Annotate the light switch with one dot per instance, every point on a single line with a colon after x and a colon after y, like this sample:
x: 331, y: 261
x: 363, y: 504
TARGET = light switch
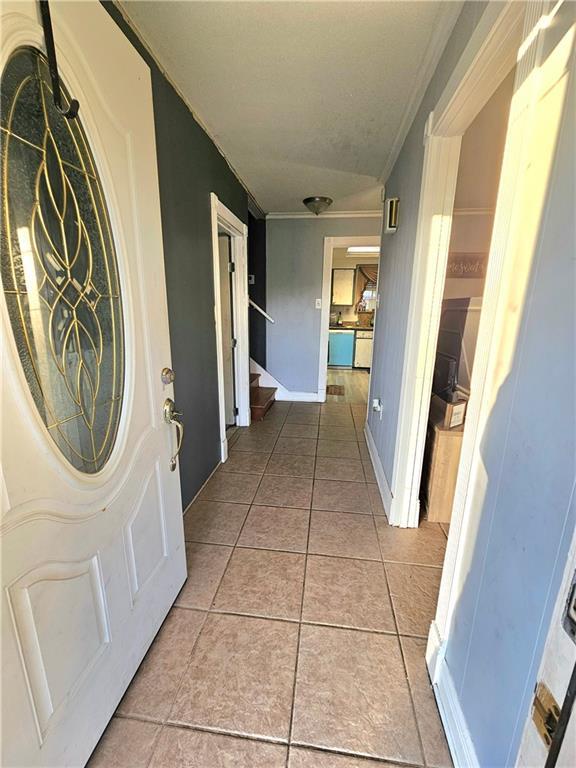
x: 318, y: 303
x: 251, y: 279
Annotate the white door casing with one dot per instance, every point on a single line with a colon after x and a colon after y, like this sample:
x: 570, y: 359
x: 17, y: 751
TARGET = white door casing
x: 226, y: 299
x: 90, y: 563
x: 225, y: 222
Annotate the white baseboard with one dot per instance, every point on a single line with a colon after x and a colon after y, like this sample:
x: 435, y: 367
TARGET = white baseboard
x: 457, y: 733
x: 267, y: 380
x: 381, y: 479
x: 434, y: 651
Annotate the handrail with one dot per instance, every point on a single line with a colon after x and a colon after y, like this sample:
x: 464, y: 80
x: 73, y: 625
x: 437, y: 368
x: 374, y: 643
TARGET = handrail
x: 259, y: 309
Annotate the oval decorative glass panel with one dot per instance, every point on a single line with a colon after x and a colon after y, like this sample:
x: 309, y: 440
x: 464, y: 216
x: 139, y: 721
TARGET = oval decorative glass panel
x: 58, y: 266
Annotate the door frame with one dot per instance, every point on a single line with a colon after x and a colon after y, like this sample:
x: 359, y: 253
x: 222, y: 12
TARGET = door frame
x: 486, y: 61
x: 329, y: 244
x: 224, y: 220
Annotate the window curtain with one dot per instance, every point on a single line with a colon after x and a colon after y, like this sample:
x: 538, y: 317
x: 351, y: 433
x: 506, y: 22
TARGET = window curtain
x: 365, y: 273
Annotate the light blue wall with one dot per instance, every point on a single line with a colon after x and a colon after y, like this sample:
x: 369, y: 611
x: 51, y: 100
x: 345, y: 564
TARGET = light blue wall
x: 527, y: 517
x: 295, y: 253
x: 526, y: 512
x: 398, y: 251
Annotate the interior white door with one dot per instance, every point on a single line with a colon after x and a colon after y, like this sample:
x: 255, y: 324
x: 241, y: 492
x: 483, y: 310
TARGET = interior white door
x: 91, y: 527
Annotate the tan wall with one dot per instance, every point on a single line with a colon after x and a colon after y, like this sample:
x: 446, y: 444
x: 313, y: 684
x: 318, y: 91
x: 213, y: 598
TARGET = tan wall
x: 477, y: 186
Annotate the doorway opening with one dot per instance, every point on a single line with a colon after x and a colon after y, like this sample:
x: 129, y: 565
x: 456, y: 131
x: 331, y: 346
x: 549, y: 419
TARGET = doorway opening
x: 349, y: 300
x: 229, y: 253
x: 227, y: 326
x: 478, y: 177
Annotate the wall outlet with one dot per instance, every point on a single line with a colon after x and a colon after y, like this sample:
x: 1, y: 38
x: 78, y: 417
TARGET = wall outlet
x: 251, y: 279
x: 377, y: 406
x: 318, y: 303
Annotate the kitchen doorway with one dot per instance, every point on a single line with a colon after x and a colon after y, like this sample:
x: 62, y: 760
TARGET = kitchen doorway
x: 349, y: 299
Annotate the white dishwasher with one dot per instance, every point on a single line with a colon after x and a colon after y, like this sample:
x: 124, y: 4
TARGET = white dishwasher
x: 363, y: 349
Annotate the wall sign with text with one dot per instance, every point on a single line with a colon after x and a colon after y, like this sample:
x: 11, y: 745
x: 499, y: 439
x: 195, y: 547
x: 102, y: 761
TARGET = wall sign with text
x: 472, y: 265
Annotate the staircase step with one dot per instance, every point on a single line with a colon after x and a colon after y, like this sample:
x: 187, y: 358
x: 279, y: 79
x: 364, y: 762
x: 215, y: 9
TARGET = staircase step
x: 254, y: 379
x: 261, y: 399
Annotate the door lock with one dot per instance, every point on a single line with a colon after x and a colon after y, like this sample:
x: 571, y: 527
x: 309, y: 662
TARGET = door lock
x: 172, y: 416
x: 545, y: 713
x: 167, y: 376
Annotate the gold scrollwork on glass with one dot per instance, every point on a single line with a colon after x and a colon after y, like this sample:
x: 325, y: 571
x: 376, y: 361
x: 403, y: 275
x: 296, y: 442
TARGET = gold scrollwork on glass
x: 58, y: 266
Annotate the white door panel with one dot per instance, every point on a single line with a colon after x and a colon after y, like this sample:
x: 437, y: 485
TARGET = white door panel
x: 90, y: 562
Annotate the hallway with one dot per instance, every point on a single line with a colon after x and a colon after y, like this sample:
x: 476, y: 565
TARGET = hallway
x: 356, y: 383
x: 303, y: 619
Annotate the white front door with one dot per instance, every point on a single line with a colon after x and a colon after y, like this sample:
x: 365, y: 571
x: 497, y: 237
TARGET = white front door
x: 91, y: 528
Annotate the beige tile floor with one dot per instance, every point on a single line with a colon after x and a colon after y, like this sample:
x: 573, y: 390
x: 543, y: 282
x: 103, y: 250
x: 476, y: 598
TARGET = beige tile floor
x: 298, y: 639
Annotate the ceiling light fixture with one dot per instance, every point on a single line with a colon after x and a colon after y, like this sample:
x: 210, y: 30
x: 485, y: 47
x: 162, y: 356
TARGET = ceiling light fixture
x: 364, y: 249
x: 317, y: 204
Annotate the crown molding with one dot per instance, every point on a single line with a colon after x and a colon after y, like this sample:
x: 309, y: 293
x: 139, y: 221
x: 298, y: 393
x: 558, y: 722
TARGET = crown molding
x: 254, y: 209
x: 327, y: 215
x: 429, y: 63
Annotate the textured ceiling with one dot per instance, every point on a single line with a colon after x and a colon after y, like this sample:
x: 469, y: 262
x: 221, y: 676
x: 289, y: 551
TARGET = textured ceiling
x: 303, y: 98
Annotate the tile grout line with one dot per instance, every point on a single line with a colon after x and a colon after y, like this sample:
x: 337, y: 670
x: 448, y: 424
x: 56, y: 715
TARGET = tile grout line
x: 250, y: 505
x: 293, y: 703
x: 263, y: 740
x: 304, y: 622
x: 300, y: 621
x: 208, y: 612
x: 402, y: 655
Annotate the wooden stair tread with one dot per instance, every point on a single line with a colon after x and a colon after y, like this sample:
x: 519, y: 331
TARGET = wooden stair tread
x: 261, y: 396
x: 254, y: 377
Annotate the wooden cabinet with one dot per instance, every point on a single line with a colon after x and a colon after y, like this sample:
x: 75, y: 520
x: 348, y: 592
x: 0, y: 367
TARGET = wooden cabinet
x: 343, y: 281
x: 440, y: 469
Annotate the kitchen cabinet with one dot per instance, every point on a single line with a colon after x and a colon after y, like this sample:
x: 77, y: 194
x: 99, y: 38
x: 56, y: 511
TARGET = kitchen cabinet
x: 343, y: 281
x: 341, y: 348
x: 363, y: 349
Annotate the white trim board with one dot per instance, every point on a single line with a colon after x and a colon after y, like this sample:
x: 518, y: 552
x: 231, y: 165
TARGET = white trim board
x: 267, y: 380
x: 383, y: 484
x: 329, y: 244
x: 222, y: 218
x: 326, y: 215
x: 455, y: 726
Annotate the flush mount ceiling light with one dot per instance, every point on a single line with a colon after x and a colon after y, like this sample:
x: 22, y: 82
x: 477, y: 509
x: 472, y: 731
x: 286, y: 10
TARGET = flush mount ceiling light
x: 363, y: 249
x: 317, y: 204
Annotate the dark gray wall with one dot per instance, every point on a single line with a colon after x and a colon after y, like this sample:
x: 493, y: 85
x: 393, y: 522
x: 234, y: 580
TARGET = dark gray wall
x: 257, y: 291
x: 190, y: 167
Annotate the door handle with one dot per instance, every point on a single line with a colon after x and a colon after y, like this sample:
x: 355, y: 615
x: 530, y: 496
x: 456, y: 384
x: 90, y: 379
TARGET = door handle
x: 171, y: 416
